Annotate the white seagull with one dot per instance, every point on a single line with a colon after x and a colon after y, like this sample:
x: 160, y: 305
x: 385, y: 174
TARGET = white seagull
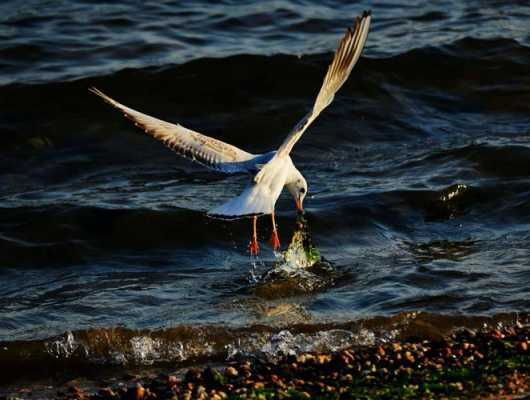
x: 270, y: 171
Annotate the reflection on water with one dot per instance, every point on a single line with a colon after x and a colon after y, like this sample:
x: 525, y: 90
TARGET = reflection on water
x: 444, y: 249
x: 452, y: 202
x: 279, y: 312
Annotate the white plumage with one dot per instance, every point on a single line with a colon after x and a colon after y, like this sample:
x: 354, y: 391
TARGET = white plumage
x: 255, y: 200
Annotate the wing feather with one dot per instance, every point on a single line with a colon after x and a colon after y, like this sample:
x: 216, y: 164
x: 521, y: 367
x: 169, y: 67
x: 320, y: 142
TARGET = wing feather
x: 203, y: 149
x: 346, y: 56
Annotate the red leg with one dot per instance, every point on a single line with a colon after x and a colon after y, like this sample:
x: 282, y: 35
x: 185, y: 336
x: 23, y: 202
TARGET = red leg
x: 254, y: 246
x: 275, y: 240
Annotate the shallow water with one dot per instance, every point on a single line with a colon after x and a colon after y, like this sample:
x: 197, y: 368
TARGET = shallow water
x: 418, y: 174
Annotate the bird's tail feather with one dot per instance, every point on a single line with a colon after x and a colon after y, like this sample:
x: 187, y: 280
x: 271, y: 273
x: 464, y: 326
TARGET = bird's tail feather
x: 255, y: 200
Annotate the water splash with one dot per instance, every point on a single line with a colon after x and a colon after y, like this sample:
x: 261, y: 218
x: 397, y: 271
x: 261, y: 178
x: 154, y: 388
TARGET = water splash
x: 301, y: 253
x: 300, y: 269
x: 273, y: 346
x: 62, y: 347
x: 284, y: 343
x: 144, y: 349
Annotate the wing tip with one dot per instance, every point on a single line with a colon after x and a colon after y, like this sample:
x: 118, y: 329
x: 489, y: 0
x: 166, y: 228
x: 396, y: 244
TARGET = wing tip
x: 93, y: 89
x: 97, y: 92
x: 367, y: 13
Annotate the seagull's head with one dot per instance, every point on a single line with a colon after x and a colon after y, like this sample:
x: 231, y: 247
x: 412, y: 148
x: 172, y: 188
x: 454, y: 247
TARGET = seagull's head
x: 298, y: 189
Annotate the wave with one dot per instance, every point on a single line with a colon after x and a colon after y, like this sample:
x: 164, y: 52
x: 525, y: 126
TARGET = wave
x: 72, y: 234
x: 185, y: 345
x: 61, y: 232
x: 470, y: 76
x: 128, y: 34
x: 66, y: 234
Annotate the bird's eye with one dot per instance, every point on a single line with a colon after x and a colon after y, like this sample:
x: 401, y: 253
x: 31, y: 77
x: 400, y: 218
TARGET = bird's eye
x: 302, y: 190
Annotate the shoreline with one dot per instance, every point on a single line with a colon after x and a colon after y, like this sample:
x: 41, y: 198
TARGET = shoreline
x: 483, y: 364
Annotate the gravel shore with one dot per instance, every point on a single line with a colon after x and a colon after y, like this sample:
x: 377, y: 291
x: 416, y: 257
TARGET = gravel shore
x: 493, y: 364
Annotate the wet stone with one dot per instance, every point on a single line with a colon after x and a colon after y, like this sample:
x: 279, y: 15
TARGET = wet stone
x: 193, y: 375
x: 107, y: 393
x: 136, y: 392
x: 231, y: 372
x: 213, y: 378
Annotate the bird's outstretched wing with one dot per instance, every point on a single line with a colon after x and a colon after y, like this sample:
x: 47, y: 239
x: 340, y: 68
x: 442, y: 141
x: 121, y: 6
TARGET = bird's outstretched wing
x: 203, y: 149
x: 350, y: 48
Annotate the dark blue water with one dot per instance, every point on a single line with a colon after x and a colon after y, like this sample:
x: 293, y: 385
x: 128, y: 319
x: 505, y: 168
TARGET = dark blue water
x: 419, y: 175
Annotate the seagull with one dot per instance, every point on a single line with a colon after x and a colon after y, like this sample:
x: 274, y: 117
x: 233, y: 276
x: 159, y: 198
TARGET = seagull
x: 271, y: 171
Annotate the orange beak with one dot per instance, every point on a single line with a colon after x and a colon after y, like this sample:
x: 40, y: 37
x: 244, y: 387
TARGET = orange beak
x: 299, y: 205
